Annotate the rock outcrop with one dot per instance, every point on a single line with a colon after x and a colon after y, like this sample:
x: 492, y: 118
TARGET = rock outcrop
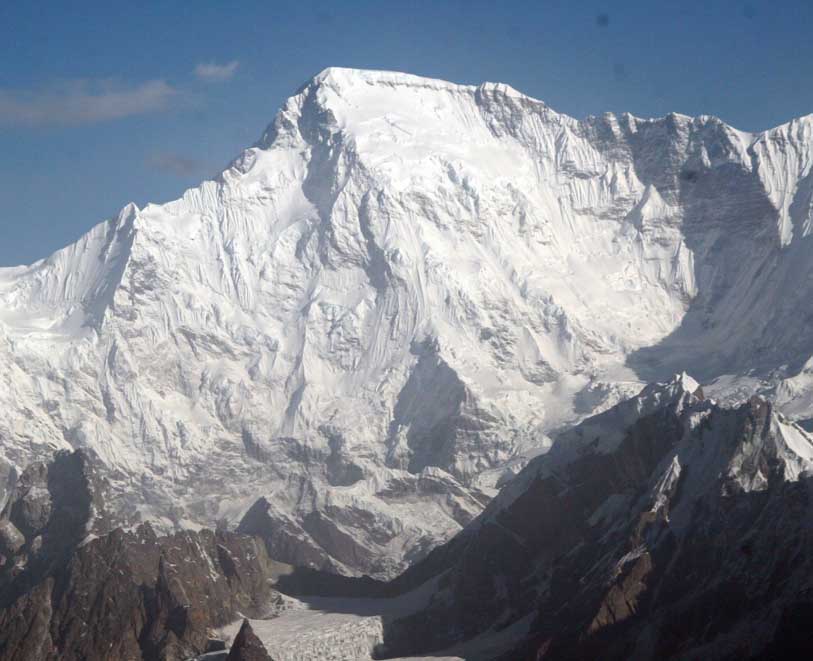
x: 71, y: 590
x: 247, y: 647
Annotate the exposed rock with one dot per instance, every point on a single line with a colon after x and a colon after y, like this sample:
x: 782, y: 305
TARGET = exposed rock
x: 215, y: 645
x: 51, y: 509
x: 121, y: 595
x: 681, y: 533
x: 247, y: 647
x: 11, y: 539
x: 133, y: 595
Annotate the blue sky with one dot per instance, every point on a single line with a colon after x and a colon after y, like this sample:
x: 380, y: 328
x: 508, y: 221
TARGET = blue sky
x: 106, y: 102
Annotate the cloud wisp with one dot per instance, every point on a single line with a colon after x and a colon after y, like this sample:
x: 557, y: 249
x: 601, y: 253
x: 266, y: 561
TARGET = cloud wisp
x: 84, y: 102
x: 175, y: 164
x: 211, y: 72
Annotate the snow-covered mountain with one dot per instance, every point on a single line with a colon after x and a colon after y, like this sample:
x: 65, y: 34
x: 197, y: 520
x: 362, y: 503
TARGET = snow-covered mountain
x: 378, y: 312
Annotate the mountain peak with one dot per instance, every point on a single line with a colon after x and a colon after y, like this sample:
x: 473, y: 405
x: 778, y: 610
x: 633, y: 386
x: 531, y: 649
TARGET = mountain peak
x: 555, y: 265
x: 343, y: 77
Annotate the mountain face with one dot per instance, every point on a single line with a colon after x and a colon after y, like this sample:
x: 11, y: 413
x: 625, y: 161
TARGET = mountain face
x: 378, y: 313
x: 668, y: 527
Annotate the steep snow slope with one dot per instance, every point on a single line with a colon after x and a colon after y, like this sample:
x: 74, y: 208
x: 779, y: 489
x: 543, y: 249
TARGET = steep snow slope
x: 382, y: 308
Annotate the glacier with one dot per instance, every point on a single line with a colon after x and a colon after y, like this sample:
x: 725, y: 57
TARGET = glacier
x: 382, y: 310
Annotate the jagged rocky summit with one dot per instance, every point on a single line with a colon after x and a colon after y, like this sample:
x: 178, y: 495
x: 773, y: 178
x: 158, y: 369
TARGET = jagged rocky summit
x: 383, y: 309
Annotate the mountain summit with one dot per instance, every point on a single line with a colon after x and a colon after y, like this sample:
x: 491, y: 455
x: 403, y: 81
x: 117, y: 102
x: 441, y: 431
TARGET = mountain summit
x: 378, y: 312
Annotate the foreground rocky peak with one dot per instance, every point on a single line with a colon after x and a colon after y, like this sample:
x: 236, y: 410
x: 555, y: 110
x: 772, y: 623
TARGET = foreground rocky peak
x: 247, y: 647
x: 380, y: 311
x: 685, y: 537
x: 74, y: 587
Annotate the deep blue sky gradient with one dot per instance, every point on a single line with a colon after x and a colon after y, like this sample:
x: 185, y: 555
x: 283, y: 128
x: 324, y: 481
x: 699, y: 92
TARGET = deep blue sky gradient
x: 746, y: 61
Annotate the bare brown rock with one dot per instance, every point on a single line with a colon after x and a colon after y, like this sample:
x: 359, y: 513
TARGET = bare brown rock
x: 123, y: 595
x: 247, y: 647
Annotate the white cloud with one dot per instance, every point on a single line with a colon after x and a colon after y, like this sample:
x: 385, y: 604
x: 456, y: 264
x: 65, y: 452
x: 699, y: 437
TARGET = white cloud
x: 216, y: 73
x: 84, y: 102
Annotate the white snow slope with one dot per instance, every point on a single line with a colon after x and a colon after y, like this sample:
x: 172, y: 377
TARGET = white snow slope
x: 383, y: 307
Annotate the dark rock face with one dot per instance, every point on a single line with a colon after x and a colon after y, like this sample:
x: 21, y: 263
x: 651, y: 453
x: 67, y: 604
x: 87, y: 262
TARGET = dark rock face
x: 689, y: 538
x: 122, y: 595
x: 492, y: 578
x: 247, y: 647
x: 284, y: 539
x: 50, y: 510
x: 138, y: 596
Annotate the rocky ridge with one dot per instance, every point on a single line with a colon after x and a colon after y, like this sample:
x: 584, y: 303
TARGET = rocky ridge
x: 72, y: 588
x: 684, y: 532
